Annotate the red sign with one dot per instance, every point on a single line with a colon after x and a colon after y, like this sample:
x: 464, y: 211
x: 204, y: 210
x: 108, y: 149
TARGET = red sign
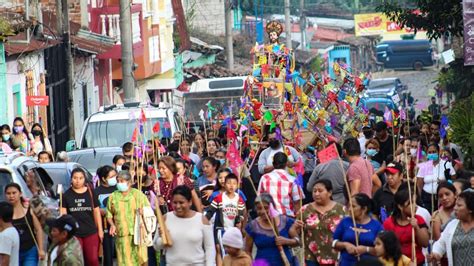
x: 37, y: 100
x: 328, y: 154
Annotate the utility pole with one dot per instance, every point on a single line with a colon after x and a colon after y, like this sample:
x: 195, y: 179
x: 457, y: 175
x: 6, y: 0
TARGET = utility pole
x: 128, y: 81
x: 62, y: 14
x: 228, y: 35
x: 302, y: 25
x: 287, y: 24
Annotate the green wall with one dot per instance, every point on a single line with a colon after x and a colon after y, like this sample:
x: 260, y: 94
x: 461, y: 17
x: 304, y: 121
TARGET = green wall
x: 3, y: 86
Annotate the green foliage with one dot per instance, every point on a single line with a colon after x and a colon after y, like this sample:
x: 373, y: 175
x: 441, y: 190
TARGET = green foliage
x: 317, y: 65
x: 437, y: 17
x: 461, y: 123
x: 5, y: 29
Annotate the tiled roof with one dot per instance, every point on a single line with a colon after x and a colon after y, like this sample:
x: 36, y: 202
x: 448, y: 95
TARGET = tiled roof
x: 325, y: 34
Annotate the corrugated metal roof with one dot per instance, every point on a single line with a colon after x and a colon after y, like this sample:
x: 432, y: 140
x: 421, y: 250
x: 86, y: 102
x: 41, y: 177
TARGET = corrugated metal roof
x: 92, y: 42
x: 13, y: 48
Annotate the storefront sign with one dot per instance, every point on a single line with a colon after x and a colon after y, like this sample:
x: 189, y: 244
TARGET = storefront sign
x: 377, y: 24
x: 37, y: 100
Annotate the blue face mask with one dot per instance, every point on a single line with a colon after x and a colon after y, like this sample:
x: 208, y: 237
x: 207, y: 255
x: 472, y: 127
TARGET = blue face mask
x: 432, y: 156
x: 112, y: 181
x: 6, y: 137
x: 371, y: 152
x: 122, y: 187
x: 222, y: 161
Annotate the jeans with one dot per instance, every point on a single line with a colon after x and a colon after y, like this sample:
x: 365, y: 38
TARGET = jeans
x: 152, y: 257
x: 108, y: 246
x: 29, y: 257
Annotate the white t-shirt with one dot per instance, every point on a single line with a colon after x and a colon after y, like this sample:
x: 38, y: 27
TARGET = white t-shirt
x: 431, y: 181
x: 10, y: 245
x: 425, y: 214
x: 230, y: 209
x: 273, y: 152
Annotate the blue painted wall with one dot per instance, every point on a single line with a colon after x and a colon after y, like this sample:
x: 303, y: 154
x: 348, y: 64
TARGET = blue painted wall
x: 341, y: 52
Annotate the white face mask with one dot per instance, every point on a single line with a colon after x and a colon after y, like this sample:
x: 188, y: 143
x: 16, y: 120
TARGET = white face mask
x: 413, y: 152
x: 118, y: 168
x: 122, y: 187
x: 112, y: 181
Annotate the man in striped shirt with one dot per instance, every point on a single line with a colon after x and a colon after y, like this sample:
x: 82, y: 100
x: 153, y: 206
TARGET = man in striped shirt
x: 282, y: 187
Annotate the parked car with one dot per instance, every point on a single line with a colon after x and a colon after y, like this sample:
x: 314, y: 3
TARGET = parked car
x: 60, y: 173
x: 376, y: 107
x: 13, y: 168
x: 414, y: 54
x: 384, y: 88
x: 93, y: 158
x: 114, y: 125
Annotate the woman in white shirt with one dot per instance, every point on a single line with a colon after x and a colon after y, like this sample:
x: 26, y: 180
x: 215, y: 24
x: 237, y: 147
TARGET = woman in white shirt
x: 457, y: 239
x: 39, y: 142
x: 428, y: 179
x: 190, y: 232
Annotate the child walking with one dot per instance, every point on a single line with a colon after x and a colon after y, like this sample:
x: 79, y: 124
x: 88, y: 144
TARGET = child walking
x: 229, y: 208
x: 389, y: 250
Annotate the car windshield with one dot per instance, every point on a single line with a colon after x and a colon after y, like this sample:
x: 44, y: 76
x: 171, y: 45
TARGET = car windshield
x: 5, y: 179
x: 114, y: 133
x: 379, y: 84
x: 379, y: 106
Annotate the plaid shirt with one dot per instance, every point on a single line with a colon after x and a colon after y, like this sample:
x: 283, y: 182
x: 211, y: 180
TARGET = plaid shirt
x: 282, y: 187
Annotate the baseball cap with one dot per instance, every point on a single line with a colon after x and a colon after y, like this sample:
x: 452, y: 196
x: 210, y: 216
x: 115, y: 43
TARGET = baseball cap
x: 65, y: 222
x: 394, y: 168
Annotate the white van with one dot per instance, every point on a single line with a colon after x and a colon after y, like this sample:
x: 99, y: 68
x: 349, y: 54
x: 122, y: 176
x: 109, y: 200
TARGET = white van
x: 225, y: 94
x: 113, y: 125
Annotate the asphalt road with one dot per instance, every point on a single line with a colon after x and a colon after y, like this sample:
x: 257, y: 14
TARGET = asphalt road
x: 420, y: 83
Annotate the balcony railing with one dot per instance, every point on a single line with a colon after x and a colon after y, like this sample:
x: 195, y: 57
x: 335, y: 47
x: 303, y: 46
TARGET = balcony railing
x: 107, y: 20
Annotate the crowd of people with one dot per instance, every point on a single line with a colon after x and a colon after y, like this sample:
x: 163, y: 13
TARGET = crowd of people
x: 390, y: 198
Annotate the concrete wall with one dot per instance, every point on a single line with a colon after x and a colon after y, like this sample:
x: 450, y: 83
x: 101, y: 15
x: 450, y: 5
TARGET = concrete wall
x: 16, y: 84
x: 86, y: 93
x: 208, y: 15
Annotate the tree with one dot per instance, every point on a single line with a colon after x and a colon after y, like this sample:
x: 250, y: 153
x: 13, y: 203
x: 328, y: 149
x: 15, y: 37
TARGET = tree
x: 437, y: 17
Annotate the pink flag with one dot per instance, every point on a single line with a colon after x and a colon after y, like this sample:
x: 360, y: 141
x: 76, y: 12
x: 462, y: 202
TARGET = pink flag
x: 273, y: 212
x: 299, y: 166
x: 403, y: 115
x: 233, y: 156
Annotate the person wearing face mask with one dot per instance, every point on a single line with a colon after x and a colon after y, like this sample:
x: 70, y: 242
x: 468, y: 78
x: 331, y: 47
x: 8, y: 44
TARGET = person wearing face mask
x: 429, y: 176
x: 385, y: 141
x: 5, y: 140
x: 39, y: 142
x: 378, y: 178
x: 80, y: 202
x: 367, y: 134
x: 122, y: 207
x: 265, y: 161
x: 20, y: 139
x: 118, y: 161
x: 108, y: 184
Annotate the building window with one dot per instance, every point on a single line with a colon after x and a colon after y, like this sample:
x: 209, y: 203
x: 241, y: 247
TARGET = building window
x: 154, y: 47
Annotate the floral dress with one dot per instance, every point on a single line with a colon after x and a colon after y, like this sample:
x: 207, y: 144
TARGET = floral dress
x: 318, y: 232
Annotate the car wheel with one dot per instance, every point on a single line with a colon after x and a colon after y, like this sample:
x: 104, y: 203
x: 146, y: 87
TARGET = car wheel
x: 418, y: 66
